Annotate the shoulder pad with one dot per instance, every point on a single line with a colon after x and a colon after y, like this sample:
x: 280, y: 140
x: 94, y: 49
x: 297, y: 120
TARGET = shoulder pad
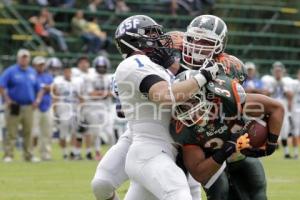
x: 231, y: 93
x: 220, y: 87
x: 234, y: 67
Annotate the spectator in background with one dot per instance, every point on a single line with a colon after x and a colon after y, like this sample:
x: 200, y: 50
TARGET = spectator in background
x: 121, y: 6
x: 21, y: 90
x: 93, y: 6
x: 252, y: 83
x: 174, y: 7
x: 193, y: 7
x: 42, y: 122
x: 44, y: 27
x: 62, y: 3
x: 79, y: 25
x: 118, y: 5
x: 42, y: 2
x: 94, y: 29
x: 54, y: 3
x: 7, y: 2
x: 69, y: 3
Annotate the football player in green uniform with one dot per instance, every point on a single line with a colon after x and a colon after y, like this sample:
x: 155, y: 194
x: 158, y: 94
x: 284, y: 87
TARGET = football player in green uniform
x: 212, y: 142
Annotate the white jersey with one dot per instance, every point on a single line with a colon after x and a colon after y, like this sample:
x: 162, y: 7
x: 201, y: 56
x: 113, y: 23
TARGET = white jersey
x: 268, y: 82
x: 296, y: 97
x: 100, y: 82
x: 147, y: 120
x: 86, y: 79
x: 78, y: 73
x: 68, y: 91
x: 75, y: 72
x: 278, y: 89
x: 67, y: 94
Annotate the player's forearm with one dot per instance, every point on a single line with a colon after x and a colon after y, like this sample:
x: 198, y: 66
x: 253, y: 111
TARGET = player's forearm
x: 276, y: 118
x: 40, y: 96
x: 200, y: 167
x: 162, y: 92
x: 254, y: 90
x: 3, y: 92
x: 260, y: 105
x: 184, y: 90
x: 47, y: 88
x: 204, y: 170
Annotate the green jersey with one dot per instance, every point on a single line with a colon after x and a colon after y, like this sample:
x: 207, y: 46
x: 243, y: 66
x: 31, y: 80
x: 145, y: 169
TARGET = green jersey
x: 227, y: 96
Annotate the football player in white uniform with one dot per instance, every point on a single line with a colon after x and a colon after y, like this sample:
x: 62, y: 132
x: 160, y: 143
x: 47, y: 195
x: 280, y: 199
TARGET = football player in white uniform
x: 146, y: 96
x: 296, y: 114
x: 66, y: 96
x: 279, y: 88
x: 83, y: 72
x: 98, y: 108
x: 110, y: 173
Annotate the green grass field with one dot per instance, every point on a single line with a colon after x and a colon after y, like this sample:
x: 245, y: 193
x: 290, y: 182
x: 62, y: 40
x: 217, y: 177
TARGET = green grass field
x: 70, y: 180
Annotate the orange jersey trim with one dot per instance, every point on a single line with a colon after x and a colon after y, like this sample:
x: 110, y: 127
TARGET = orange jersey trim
x: 236, y: 95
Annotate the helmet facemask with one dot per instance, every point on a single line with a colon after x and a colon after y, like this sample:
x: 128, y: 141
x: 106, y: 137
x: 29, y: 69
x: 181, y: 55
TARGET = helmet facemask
x: 147, y: 39
x: 194, y: 111
x: 200, y: 44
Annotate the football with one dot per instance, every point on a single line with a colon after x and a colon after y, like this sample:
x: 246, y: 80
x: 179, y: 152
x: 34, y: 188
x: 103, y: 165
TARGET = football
x: 258, y: 132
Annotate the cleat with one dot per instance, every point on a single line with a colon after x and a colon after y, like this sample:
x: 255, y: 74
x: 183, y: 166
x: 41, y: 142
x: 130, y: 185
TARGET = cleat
x: 72, y: 156
x: 65, y: 156
x: 89, y: 156
x: 35, y: 159
x: 7, y: 159
x: 287, y: 156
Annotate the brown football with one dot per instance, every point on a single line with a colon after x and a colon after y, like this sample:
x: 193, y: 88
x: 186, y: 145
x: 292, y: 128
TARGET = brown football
x: 258, y: 132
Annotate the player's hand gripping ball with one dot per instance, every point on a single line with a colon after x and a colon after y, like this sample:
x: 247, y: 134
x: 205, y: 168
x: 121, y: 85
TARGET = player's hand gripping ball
x: 243, y: 142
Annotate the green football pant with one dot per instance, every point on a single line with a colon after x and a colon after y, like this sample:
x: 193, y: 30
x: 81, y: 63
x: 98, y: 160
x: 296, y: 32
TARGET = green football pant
x: 243, y: 180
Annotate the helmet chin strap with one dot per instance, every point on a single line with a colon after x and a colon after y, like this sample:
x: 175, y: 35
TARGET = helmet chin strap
x: 130, y: 46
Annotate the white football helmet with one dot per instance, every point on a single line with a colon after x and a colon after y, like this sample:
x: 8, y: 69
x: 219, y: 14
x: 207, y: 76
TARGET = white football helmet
x: 206, y: 36
x: 196, y: 110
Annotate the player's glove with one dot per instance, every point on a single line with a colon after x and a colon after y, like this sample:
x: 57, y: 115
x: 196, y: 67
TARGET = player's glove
x: 269, y: 149
x: 208, y: 72
x: 162, y: 56
x: 236, y: 143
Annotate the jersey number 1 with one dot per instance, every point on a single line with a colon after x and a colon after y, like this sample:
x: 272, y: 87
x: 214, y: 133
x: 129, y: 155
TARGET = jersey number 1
x: 139, y: 62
